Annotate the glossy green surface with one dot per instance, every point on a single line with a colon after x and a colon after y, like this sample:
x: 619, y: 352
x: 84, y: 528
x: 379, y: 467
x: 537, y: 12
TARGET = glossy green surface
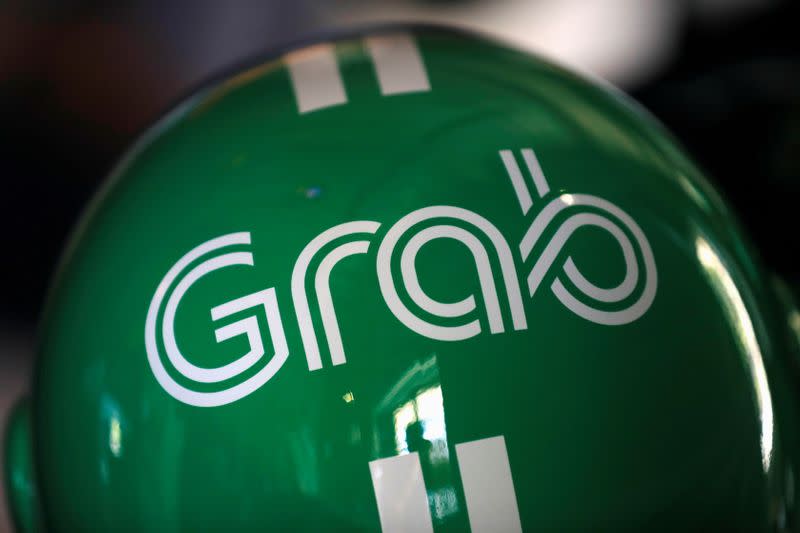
x: 20, y: 484
x: 682, y: 419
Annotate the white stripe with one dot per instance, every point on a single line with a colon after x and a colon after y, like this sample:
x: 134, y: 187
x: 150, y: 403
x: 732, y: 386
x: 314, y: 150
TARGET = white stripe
x: 298, y: 283
x: 536, y: 172
x: 517, y: 181
x: 322, y: 285
x: 398, y: 64
x: 488, y: 487
x: 315, y: 76
x: 400, y: 491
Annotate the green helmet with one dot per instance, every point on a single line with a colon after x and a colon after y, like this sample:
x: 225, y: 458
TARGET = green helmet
x: 410, y: 280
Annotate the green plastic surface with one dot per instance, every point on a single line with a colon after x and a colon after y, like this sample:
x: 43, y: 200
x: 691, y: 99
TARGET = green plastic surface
x: 677, y: 416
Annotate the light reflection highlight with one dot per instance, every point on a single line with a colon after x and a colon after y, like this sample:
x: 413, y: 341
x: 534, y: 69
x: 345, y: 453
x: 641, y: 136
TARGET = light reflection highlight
x: 794, y: 322
x: 115, y: 437
x: 426, y: 412
x: 410, y: 420
x: 726, y: 289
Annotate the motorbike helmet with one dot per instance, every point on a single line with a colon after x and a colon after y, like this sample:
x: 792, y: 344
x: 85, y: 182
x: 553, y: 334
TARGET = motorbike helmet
x: 408, y: 279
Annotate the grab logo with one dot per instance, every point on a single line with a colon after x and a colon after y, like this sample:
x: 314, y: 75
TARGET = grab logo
x: 399, y: 248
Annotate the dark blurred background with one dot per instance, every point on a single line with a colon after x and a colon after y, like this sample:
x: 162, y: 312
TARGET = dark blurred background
x: 80, y: 79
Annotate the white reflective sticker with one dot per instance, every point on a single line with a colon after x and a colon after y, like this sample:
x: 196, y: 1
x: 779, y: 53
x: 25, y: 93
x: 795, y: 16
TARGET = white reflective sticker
x: 517, y: 180
x: 398, y: 64
x: 315, y: 76
x: 400, y: 491
x: 539, y: 181
x: 488, y: 487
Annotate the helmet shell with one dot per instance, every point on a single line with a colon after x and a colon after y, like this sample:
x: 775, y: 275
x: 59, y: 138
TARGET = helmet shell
x: 411, y: 279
